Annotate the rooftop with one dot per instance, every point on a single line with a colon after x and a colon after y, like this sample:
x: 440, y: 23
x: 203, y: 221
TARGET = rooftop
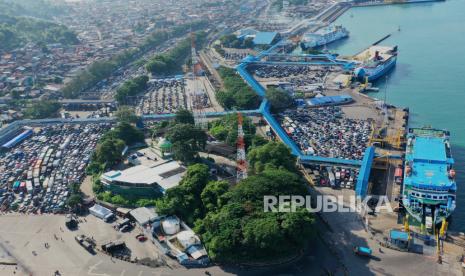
x: 166, y: 175
x: 399, y: 235
x: 429, y: 148
x: 264, y: 38
x: 143, y: 215
x: 429, y: 163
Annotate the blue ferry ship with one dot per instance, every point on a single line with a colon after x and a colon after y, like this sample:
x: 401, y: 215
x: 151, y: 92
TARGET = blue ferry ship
x: 377, y: 61
x: 429, y: 186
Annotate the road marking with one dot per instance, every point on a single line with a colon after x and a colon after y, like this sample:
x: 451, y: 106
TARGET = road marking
x: 93, y: 267
x: 122, y: 272
x: 140, y: 273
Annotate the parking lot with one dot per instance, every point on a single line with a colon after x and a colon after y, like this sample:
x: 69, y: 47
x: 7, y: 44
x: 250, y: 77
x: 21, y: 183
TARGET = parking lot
x: 326, y: 132
x: 163, y: 96
x: 36, y: 175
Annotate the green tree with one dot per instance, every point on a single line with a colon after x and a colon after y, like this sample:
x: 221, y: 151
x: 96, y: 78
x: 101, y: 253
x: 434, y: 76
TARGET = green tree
x: 187, y: 141
x: 131, y: 88
x: 279, y: 99
x: 128, y: 133
x: 185, y: 200
x: 271, y: 155
x: 126, y: 114
x: 184, y: 116
x: 212, y: 194
x: 225, y: 129
x: 74, y: 200
x: 239, y: 231
x: 43, y: 109
x: 237, y: 94
x: 258, y: 141
x: 109, y: 152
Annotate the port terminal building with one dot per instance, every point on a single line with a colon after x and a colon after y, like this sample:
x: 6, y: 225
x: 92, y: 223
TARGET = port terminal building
x: 144, y: 180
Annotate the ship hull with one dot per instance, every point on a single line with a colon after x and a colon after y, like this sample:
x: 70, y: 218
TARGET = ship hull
x: 377, y: 72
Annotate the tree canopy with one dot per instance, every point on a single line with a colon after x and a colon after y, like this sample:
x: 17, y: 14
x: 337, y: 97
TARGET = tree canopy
x: 231, y: 41
x: 126, y: 114
x: 187, y: 141
x: 184, y: 200
x: 237, y: 94
x: 131, y: 88
x: 184, y: 116
x: 43, y: 109
x: 171, y: 61
x: 231, y: 220
x: 271, y: 155
x: 279, y: 99
x: 225, y: 129
x: 240, y: 231
x: 109, y: 152
x: 17, y: 31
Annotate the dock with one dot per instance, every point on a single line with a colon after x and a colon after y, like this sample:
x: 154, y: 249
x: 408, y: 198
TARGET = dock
x: 382, y: 39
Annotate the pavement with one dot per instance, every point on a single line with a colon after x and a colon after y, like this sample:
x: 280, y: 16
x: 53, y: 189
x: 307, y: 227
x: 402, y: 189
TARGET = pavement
x: 348, y: 230
x: 23, y: 238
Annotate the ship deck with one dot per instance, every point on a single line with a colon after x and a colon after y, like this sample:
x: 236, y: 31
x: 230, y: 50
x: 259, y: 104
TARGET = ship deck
x: 369, y: 53
x: 430, y: 164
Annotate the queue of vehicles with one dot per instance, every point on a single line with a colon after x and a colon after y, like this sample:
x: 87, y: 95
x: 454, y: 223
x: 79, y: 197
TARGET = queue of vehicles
x: 37, y: 175
x: 334, y: 177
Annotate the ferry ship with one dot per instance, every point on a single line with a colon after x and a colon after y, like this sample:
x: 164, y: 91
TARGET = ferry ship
x: 429, y: 185
x: 323, y: 36
x: 377, y: 61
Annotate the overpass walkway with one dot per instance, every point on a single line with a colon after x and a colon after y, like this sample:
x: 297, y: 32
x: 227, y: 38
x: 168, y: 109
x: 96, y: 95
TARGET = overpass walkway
x: 263, y: 110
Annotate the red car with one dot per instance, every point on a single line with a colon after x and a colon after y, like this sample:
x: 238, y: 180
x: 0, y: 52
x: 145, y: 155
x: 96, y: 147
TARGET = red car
x: 141, y: 237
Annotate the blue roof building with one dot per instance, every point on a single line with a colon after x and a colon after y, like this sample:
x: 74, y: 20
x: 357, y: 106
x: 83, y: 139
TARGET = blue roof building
x: 266, y: 38
x: 329, y: 100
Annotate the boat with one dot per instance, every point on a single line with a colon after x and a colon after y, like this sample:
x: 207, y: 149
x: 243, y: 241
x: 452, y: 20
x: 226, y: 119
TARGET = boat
x: 377, y: 61
x: 323, y: 36
x: 429, y: 187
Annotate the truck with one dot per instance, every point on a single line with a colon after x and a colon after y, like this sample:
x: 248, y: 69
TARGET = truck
x: 71, y: 222
x: 87, y: 243
x: 29, y: 187
x: 362, y: 251
x: 332, y: 179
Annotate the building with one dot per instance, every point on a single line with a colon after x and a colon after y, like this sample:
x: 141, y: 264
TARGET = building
x: 143, y: 215
x: 266, y: 38
x: 329, y: 100
x: 101, y: 212
x: 164, y: 147
x: 144, y: 180
x: 399, y: 239
x: 180, y: 241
